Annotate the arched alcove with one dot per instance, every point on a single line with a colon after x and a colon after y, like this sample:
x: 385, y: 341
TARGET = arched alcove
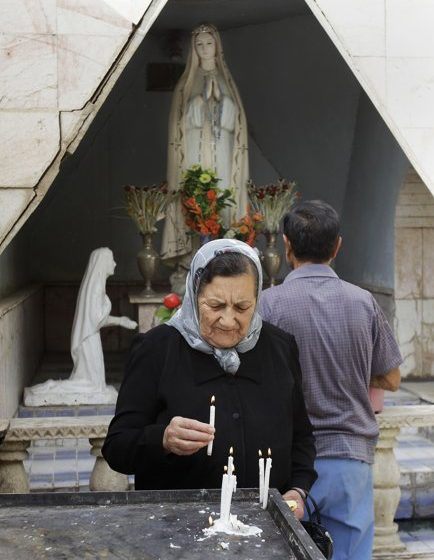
x: 309, y: 121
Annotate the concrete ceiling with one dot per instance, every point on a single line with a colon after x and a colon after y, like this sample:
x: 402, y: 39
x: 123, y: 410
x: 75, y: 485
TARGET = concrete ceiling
x: 226, y: 14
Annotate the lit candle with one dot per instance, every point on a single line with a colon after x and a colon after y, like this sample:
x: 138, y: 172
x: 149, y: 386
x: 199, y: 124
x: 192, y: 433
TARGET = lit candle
x: 261, y: 477
x: 230, y: 461
x: 212, y: 422
x: 266, y: 480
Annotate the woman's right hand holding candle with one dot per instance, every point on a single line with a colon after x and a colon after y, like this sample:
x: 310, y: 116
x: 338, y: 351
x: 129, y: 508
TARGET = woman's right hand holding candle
x: 185, y: 436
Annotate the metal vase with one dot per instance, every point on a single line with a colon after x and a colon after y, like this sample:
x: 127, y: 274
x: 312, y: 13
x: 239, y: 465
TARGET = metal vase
x: 147, y: 259
x: 271, y: 258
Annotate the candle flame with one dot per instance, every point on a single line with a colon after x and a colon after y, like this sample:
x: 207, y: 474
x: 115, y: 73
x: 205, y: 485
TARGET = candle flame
x: 231, y: 451
x: 225, y: 468
x: 210, y: 521
x: 233, y: 470
x: 260, y: 453
x: 213, y: 399
x: 269, y: 452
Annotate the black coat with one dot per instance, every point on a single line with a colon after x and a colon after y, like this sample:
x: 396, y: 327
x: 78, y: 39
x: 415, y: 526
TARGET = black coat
x: 259, y: 407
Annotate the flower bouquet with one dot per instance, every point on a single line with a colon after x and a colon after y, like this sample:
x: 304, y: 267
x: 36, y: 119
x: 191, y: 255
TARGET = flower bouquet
x: 272, y: 201
x: 246, y: 229
x: 202, y: 201
x: 147, y: 205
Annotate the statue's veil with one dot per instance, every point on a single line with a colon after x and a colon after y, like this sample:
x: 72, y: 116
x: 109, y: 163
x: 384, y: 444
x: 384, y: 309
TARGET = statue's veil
x: 175, y: 241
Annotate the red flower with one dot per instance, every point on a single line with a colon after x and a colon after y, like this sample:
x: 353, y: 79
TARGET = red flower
x: 211, y: 195
x: 171, y: 301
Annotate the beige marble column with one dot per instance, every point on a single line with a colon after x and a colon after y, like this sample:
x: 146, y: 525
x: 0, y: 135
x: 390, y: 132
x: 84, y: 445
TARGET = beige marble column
x: 103, y: 477
x: 387, y: 544
x: 386, y: 493
x: 13, y: 477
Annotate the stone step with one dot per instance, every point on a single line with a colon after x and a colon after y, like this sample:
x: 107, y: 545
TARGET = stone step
x: 415, y: 456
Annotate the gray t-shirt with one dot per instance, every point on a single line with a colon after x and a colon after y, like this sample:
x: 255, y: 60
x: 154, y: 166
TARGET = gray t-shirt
x: 343, y: 339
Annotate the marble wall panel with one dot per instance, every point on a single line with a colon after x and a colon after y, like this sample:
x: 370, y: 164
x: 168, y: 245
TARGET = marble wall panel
x: 373, y: 68
x: 421, y: 144
x: 30, y: 141
x: 12, y: 204
x: 408, y: 263
x: 360, y: 24
x: 409, y: 28
x: 410, y: 91
x: 68, y: 121
x: 90, y: 18
x: 83, y: 61
x: 131, y: 9
x: 21, y: 348
x: 29, y: 72
x: 428, y: 337
x: 22, y: 16
x: 408, y: 331
x: 428, y: 262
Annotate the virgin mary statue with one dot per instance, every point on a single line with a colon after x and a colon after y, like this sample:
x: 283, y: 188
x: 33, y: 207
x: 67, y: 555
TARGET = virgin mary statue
x: 207, y: 126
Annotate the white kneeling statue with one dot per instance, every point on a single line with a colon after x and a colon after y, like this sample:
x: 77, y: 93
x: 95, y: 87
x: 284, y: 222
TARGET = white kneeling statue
x: 86, y: 385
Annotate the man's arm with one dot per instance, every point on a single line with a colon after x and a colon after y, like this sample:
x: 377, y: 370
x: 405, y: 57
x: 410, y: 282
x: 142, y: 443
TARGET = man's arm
x: 389, y: 381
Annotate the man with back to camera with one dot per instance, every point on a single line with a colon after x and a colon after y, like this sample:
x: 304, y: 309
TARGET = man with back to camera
x: 345, y: 346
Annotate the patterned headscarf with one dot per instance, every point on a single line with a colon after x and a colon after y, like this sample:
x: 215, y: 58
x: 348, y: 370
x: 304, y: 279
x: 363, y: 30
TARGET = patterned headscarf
x: 186, y: 319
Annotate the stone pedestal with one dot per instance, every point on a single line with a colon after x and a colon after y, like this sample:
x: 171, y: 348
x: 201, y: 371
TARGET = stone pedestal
x: 13, y: 477
x: 386, y: 493
x: 147, y: 307
x: 387, y: 543
x: 21, y: 431
x: 103, y: 478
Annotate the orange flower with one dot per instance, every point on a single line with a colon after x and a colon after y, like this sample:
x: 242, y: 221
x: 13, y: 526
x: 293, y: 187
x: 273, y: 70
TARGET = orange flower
x: 192, y: 206
x: 251, y: 238
x: 211, y: 195
x: 243, y: 229
x: 213, y: 226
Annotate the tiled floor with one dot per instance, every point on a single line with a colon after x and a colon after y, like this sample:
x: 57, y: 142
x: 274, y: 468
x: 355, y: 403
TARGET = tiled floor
x: 418, y: 536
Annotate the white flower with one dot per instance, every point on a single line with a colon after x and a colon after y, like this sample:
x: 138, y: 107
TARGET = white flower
x: 230, y: 234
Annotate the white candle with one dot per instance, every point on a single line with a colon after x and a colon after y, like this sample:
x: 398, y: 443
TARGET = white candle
x: 224, y: 493
x: 230, y: 461
x: 232, y: 486
x: 261, y: 477
x: 266, y: 480
x: 212, y: 423
x: 233, y: 481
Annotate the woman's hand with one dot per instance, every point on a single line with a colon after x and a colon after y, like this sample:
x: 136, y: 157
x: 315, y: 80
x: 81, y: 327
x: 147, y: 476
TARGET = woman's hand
x: 294, y: 495
x: 184, y: 436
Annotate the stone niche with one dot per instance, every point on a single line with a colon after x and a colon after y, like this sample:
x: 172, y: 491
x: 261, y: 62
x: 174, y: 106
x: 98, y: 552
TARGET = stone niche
x: 414, y: 277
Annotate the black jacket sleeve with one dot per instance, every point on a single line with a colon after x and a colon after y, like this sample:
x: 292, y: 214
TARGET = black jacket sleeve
x: 133, y: 437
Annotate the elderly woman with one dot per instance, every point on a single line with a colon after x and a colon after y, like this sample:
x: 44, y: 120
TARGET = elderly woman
x: 216, y: 344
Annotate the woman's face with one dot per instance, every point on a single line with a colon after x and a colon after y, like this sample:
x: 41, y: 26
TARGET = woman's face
x: 205, y: 46
x: 226, y: 306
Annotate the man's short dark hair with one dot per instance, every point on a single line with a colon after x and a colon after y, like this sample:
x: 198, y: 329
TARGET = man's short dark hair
x: 312, y: 228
